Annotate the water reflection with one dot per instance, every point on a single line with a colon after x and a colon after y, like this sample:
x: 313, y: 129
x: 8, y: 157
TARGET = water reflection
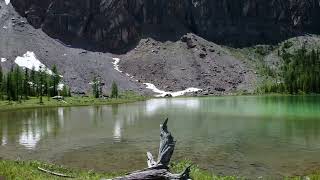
x: 4, y: 138
x: 29, y: 138
x: 228, y: 134
x: 28, y: 127
x: 117, y: 130
x: 154, y: 105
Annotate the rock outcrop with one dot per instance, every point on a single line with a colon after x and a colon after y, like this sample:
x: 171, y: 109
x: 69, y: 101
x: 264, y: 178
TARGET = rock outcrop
x: 117, y: 24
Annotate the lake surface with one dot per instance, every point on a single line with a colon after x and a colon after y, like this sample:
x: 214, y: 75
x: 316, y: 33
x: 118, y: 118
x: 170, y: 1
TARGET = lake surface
x: 247, y: 136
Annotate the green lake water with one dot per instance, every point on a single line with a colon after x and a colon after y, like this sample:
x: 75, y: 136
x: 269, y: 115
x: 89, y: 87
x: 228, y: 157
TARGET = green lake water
x: 268, y: 136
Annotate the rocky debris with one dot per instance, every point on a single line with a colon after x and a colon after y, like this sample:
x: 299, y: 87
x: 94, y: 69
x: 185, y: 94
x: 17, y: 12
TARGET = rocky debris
x: 117, y: 24
x: 202, y: 55
x: 190, y: 44
x: 188, y: 41
x: 219, y: 89
x: 177, y: 67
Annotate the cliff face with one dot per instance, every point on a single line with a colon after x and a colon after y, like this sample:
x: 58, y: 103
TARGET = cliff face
x: 115, y: 24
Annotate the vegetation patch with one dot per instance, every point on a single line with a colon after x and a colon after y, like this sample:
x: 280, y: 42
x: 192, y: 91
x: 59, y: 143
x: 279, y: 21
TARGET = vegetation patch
x: 22, y: 170
x: 33, y: 102
x: 25, y: 170
x: 300, y: 73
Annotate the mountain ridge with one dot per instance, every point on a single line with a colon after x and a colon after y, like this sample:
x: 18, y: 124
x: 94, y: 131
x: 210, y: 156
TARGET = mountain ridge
x: 116, y: 24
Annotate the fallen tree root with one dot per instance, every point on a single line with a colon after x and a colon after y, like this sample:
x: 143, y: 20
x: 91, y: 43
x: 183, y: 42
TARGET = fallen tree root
x: 159, y: 170
x: 54, y: 173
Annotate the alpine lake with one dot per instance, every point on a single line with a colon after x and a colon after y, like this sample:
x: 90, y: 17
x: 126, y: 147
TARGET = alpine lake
x: 247, y: 136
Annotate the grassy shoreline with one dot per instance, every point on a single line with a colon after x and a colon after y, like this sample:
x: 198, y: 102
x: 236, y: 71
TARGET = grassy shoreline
x: 21, y: 170
x: 24, y: 170
x: 33, y: 102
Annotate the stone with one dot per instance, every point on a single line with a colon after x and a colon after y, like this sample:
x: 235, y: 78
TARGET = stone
x: 59, y: 98
x: 202, y: 55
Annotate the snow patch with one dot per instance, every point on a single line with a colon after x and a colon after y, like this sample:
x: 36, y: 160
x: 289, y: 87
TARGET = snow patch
x: 60, y: 87
x: 116, y: 64
x: 29, y: 60
x: 162, y: 93
x: 7, y: 2
x: 3, y: 60
x: 5, y: 27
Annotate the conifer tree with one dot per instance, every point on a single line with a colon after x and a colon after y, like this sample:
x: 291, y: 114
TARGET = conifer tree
x: 64, y: 91
x: 114, y: 90
x: 33, y: 81
x: 55, y: 80
x: 41, y: 83
x: 69, y: 92
x: 26, y: 84
x: 1, y: 83
x: 95, y: 87
x: 17, y: 78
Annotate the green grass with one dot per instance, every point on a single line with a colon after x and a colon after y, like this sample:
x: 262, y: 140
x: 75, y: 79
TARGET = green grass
x: 28, y: 170
x: 33, y: 102
x: 21, y: 170
x: 25, y: 170
x: 197, y: 173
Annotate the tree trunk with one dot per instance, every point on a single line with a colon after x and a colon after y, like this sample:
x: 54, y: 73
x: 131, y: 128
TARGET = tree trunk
x: 159, y: 170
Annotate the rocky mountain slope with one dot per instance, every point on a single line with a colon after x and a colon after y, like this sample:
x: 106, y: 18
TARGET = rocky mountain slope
x: 173, y: 44
x: 190, y: 62
x: 117, y: 24
x: 77, y: 66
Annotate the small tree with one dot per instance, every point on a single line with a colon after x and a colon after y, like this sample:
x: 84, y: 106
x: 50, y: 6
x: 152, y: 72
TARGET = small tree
x: 55, y: 80
x: 18, y: 81
x: 33, y: 82
x: 69, y: 92
x: 26, y: 85
x: 64, y: 91
x: 114, y: 90
x: 95, y: 87
x: 41, y: 82
x: 1, y: 83
x: 10, y: 86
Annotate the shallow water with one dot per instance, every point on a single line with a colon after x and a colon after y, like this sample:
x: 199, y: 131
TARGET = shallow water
x: 247, y: 136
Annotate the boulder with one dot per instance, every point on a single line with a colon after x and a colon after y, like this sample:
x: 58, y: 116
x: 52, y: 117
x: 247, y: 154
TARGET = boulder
x: 59, y: 98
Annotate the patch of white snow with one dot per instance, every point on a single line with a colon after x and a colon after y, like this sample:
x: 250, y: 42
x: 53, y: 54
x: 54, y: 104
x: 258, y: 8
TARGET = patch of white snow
x: 162, y: 93
x: 116, y: 64
x: 5, y: 27
x: 7, y: 2
x: 3, y: 60
x: 29, y: 60
x: 60, y: 87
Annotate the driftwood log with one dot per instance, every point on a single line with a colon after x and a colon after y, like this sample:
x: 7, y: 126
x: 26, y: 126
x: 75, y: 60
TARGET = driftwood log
x: 54, y: 173
x: 159, y: 170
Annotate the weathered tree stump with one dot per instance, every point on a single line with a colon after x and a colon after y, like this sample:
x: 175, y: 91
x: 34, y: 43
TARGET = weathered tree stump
x: 159, y: 170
